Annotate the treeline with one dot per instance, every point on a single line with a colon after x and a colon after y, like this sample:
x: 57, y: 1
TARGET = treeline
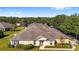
x: 67, y: 24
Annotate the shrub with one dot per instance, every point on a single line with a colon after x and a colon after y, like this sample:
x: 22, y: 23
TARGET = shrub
x: 63, y: 45
x: 1, y: 34
x: 29, y: 46
x: 20, y: 46
x: 60, y: 46
x: 10, y: 46
x: 26, y: 47
x: 36, y: 46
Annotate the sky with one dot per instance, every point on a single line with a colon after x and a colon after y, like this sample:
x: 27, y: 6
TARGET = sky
x: 37, y: 11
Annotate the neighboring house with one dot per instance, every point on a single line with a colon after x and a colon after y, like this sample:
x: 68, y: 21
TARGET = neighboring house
x: 38, y: 34
x: 4, y: 26
x: 18, y: 24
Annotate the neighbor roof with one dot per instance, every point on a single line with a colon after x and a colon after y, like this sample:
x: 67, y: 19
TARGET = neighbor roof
x: 34, y: 30
x: 5, y: 25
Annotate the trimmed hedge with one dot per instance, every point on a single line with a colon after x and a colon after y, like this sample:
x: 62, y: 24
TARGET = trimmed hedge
x: 26, y: 47
x: 30, y: 46
x: 20, y: 46
x: 10, y: 46
x: 60, y: 46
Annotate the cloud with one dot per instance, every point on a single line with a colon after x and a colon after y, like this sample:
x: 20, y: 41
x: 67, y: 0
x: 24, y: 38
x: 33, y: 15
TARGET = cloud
x: 68, y: 8
x: 60, y: 8
x: 18, y: 13
x: 14, y: 14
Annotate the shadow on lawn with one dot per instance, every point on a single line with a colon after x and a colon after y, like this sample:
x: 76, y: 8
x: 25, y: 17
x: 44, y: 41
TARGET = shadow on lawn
x: 3, y: 36
x: 17, y: 30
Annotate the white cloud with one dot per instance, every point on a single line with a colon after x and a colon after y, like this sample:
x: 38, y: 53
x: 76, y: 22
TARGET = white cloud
x: 60, y: 8
x: 68, y: 7
x: 18, y: 13
x: 14, y: 14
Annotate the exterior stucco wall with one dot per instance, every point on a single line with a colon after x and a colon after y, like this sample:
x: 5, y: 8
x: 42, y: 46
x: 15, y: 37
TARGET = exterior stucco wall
x: 65, y: 41
x: 26, y: 42
x: 14, y: 42
x: 29, y: 42
x: 32, y: 42
x: 48, y: 43
x: 37, y: 43
x: 11, y: 42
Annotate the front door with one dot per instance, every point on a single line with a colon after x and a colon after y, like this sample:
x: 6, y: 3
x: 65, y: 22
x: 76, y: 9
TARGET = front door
x: 41, y: 42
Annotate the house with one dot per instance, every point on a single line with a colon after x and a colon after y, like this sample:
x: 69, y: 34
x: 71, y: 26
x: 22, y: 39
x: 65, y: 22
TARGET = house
x: 4, y: 26
x: 38, y: 34
x: 18, y: 24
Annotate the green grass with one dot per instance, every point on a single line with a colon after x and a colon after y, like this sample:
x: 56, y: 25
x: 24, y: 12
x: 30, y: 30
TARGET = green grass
x: 8, y: 36
x: 36, y: 48
x: 59, y: 46
x: 11, y: 49
x: 77, y: 48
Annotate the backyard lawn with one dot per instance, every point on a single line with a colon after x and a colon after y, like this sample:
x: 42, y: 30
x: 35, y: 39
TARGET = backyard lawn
x: 8, y: 36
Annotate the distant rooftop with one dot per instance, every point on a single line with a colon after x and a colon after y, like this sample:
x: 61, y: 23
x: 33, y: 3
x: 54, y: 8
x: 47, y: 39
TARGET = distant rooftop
x: 5, y: 25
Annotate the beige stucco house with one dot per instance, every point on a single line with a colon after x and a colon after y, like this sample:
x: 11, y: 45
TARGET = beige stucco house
x: 39, y: 34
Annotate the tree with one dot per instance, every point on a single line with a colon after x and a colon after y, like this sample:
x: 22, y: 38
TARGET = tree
x: 61, y: 40
x: 1, y: 34
x: 76, y: 31
x: 66, y: 24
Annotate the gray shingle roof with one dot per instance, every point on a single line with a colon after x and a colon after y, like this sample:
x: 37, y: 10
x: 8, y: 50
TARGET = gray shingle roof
x: 34, y: 30
x: 5, y: 25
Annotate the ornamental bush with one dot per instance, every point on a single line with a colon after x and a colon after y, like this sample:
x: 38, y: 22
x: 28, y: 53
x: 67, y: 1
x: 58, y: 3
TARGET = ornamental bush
x: 10, y: 46
x: 1, y: 34
x: 26, y: 47
x: 20, y: 46
x: 29, y: 46
x: 60, y: 46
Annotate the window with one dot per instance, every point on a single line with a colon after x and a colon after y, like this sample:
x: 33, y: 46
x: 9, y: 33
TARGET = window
x: 16, y: 42
x: 34, y: 42
x: 51, y: 42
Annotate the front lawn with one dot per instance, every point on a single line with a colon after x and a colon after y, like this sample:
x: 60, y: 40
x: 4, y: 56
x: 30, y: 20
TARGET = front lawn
x: 36, y: 48
x: 11, y: 49
x: 59, y: 46
x: 77, y: 48
x: 8, y: 36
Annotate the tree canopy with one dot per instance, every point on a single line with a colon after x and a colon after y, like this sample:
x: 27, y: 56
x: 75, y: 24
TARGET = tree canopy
x: 67, y: 24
